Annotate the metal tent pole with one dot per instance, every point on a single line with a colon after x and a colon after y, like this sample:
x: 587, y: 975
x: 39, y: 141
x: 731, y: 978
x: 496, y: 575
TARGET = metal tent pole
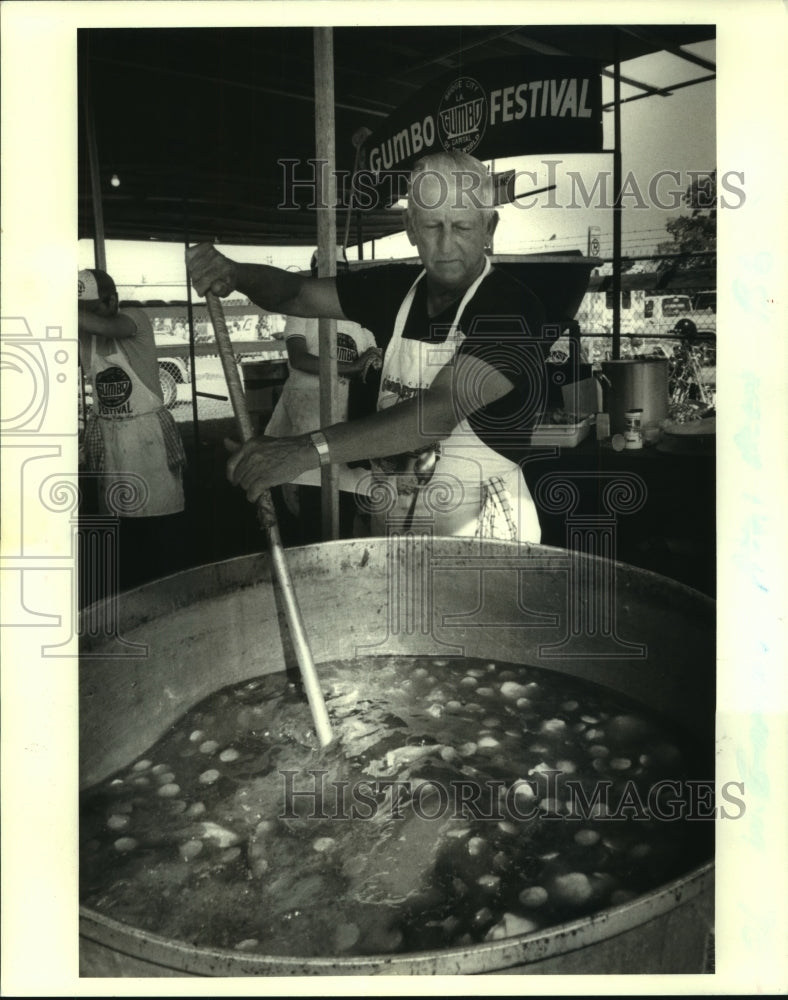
x: 99, y: 250
x: 617, y: 207
x: 193, y: 372
x: 325, y: 153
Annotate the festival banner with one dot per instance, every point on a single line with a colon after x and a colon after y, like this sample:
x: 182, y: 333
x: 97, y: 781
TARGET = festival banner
x: 494, y: 109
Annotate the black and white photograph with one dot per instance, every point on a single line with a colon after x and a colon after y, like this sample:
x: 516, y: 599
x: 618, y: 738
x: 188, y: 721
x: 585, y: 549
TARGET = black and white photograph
x: 389, y: 540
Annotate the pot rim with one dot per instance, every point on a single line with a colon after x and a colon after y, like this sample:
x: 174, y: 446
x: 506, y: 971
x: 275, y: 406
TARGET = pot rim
x: 550, y: 942
x: 546, y: 552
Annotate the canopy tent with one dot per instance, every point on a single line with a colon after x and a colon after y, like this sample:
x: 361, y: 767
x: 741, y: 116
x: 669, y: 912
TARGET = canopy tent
x: 194, y: 122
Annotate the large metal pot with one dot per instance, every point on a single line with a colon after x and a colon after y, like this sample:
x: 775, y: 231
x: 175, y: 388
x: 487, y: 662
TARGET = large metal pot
x: 652, y: 640
x: 635, y: 384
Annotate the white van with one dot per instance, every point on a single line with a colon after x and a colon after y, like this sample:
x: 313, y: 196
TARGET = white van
x: 642, y: 313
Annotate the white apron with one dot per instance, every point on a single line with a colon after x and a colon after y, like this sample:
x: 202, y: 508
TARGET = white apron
x: 137, y: 480
x: 473, y: 491
x: 298, y: 408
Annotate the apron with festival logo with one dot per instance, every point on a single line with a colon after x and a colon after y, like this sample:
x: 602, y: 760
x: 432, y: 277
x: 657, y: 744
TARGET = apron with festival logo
x: 461, y: 485
x: 139, y: 455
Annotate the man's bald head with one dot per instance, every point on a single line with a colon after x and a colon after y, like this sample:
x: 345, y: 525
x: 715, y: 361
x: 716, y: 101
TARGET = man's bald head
x: 453, y: 180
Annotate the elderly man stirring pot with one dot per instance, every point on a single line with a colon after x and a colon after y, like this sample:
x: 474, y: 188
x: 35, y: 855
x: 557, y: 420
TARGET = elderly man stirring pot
x: 462, y: 372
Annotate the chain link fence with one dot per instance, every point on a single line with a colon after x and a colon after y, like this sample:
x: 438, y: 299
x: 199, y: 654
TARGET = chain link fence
x: 680, y: 327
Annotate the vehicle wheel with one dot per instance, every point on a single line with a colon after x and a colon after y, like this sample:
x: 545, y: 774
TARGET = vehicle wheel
x: 169, y: 388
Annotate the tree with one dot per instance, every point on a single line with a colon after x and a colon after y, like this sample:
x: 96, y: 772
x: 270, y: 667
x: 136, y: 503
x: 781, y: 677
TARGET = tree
x: 697, y: 231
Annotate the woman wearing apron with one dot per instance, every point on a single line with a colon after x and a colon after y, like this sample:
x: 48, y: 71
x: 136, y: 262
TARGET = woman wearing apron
x: 131, y: 440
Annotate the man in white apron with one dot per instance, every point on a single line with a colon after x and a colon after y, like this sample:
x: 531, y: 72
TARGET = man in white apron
x: 130, y: 438
x: 462, y: 376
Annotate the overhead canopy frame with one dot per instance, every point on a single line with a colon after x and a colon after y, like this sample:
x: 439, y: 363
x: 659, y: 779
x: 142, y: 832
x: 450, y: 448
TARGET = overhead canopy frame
x: 153, y: 90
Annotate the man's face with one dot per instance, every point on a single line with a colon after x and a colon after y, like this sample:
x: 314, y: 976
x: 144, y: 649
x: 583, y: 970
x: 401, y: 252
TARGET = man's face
x: 449, y: 232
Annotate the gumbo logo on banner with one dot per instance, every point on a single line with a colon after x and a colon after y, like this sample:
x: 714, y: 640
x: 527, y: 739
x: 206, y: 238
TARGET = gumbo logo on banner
x: 462, y: 115
x: 501, y: 108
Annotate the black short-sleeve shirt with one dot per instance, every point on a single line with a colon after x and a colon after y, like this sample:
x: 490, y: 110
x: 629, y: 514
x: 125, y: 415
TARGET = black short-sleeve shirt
x: 502, y: 325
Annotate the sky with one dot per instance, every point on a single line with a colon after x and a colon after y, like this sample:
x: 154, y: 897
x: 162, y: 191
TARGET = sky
x: 674, y: 133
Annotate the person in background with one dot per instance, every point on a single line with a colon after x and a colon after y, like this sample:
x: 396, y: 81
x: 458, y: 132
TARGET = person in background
x: 298, y: 408
x: 463, y: 372
x: 131, y: 441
